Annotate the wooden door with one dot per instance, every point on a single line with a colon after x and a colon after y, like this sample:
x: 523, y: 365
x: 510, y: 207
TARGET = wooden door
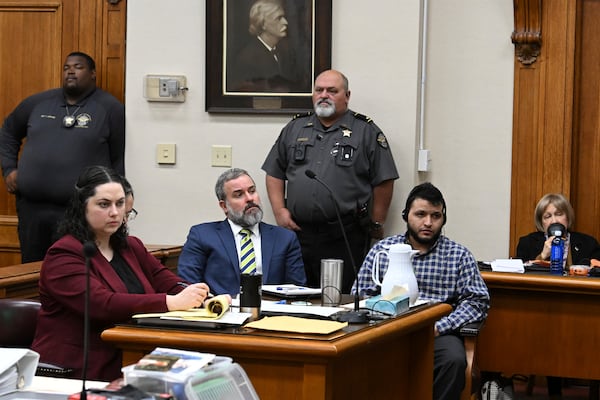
x: 35, y: 37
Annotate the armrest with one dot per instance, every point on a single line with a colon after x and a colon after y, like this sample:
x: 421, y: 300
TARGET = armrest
x: 471, y: 329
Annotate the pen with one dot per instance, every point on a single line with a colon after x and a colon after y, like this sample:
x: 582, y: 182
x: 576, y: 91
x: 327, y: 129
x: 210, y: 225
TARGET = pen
x: 183, y: 284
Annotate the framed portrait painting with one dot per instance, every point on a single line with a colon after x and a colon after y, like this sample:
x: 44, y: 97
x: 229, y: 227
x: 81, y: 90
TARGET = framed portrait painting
x: 262, y: 55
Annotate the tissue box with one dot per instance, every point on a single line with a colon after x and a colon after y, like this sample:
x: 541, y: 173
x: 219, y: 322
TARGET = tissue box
x: 394, y: 306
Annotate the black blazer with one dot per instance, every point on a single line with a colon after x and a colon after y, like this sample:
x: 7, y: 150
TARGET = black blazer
x: 582, y: 247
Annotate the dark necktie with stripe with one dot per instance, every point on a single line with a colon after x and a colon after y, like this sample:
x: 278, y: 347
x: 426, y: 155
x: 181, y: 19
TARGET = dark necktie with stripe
x: 247, y: 255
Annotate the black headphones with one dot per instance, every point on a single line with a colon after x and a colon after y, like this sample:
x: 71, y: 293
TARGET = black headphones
x: 427, y: 192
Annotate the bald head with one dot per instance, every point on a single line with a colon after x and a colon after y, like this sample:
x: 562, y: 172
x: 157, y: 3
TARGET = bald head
x: 330, y: 96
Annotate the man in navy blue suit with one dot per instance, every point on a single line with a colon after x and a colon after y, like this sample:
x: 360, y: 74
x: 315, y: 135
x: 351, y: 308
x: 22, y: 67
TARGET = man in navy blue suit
x: 211, y: 251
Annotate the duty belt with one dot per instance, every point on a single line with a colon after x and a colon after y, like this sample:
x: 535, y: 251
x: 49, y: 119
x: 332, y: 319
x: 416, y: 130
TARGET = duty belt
x: 324, y: 226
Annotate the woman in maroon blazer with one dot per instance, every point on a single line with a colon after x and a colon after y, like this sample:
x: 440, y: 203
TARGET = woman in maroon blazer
x: 124, y: 279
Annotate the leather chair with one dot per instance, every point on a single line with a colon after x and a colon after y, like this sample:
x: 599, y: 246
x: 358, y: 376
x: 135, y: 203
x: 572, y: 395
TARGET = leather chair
x: 469, y: 332
x: 18, y: 319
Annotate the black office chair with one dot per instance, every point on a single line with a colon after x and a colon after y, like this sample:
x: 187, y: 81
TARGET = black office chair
x: 18, y: 318
x: 469, y: 332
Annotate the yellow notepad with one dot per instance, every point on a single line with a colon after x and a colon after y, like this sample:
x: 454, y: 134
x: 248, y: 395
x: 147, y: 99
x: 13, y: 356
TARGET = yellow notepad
x: 213, y: 309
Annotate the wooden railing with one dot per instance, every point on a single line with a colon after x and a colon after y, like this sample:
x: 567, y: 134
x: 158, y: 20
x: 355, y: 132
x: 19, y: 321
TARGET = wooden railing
x: 21, y: 280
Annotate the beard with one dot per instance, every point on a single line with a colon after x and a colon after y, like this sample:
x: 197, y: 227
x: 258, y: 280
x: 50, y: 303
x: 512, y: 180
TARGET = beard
x: 248, y: 217
x: 414, y: 235
x: 324, y: 111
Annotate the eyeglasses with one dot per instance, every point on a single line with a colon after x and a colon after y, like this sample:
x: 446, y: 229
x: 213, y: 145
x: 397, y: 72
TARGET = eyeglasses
x: 130, y: 215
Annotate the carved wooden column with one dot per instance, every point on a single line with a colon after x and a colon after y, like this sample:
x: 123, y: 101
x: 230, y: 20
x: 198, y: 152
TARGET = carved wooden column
x: 527, y: 36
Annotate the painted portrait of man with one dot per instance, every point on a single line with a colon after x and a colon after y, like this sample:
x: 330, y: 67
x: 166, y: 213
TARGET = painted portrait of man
x: 269, y: 46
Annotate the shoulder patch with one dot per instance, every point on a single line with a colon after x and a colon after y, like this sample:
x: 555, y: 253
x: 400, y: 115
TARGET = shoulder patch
x: 304, y: 114
x: 362, y: 117
x: 382, y: 140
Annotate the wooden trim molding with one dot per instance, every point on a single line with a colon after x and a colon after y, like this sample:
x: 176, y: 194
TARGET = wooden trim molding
x: 527, y: 36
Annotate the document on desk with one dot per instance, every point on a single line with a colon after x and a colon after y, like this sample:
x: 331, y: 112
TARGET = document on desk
x: 290, y: 290
x: 508, y: 265
x: 297, y: 325
x: 228, y: 318
x: 274, y: 307
x: 216, y: 310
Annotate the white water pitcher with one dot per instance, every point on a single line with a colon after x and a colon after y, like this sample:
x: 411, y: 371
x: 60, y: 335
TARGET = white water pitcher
x: 400, y: 270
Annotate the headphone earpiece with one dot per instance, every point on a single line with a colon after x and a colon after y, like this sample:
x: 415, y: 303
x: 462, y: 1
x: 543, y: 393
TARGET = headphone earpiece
x: 405, y: 215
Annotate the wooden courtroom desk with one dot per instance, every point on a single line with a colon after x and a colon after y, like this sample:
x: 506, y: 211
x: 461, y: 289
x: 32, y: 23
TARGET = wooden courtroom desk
x: 391, y: 359
x: 21, y: 280
x: 541, y: 324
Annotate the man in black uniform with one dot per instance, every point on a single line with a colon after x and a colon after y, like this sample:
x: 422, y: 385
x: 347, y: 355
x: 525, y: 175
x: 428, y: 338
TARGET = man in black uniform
x: 67, y: 129
x: 348, y: 152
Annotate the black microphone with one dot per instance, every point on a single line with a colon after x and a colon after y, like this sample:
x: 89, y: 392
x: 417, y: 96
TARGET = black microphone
x: 356, y: 316
x: 556, y: 229
x: 89, y: 249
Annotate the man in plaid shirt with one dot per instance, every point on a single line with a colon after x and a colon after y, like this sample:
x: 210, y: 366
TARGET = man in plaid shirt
x: 446, y: 272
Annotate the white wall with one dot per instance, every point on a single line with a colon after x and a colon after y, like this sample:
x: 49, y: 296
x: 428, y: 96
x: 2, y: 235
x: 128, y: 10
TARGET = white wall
x: 468, y: 112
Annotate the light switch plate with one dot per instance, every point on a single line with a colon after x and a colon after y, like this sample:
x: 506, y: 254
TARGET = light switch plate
x: 221, y: 156
x: 165, y: 153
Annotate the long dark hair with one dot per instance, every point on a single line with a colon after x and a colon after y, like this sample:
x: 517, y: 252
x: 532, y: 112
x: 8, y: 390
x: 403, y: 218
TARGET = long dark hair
x: 75, y: 222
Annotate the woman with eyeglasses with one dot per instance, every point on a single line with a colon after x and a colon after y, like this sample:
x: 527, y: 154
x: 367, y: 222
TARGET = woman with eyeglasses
x: 124, y: 279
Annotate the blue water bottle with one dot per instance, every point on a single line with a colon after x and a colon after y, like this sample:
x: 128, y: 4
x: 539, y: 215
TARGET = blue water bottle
x: 556, y: 256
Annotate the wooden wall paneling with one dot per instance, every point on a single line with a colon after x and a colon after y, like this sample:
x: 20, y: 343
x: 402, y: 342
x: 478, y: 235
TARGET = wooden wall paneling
x: 542, y: 108
x: 525, y: 162
x: 559, y: 17
x: 70, y: 32
x: 112, y: 43
x: 585, y: 189
x: 30, y: 50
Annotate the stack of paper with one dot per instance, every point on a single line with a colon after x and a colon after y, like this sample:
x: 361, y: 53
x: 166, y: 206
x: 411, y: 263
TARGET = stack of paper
x: 17, y: 368
x: 508, y: 265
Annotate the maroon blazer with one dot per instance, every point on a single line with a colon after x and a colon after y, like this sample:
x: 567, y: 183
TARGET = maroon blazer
x: 59, y: 334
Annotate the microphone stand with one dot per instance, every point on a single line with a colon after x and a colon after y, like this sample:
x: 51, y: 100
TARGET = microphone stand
x: 356, y: 316
x: 89, y: 249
